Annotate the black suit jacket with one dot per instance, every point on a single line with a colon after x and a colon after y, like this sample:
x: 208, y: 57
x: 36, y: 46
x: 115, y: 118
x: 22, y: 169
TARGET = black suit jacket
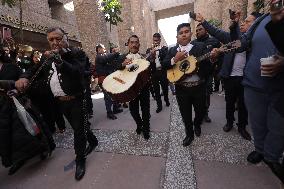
x: 70, y: 73
x: 162, y: 54
x: 197, y: 50
x: 106, y: 64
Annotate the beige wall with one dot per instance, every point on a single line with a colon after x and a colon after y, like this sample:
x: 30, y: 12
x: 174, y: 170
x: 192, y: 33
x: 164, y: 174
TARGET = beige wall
x: 137, y: 15
x: 219, y: 9
x: 92, y: 26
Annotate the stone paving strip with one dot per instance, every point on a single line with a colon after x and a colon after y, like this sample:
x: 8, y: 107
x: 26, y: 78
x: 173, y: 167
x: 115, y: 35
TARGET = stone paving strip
x: 179, y: 165
x: 223, y: 148
x: 122, y: 142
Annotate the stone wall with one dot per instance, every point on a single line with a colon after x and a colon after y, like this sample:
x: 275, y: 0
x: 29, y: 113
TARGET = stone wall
x: 92, y: 26
x: 209, y: 9
x: 158, y: 5
x: 37, y: 12
x: 139, y: 19
x: 219, y: 9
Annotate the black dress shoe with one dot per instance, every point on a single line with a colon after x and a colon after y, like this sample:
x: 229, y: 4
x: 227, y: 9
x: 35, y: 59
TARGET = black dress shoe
x: 16, y: 166
x: 227, y: 127
x: 207, y: 119
x: 277, y: 169
x: 92, y: 145
x: 111, y: 116
x: 80, y: 169
x: 197, y: 131
x: 187, y: 141
x: 254, y: 157
x: 168, y: 103
x: 159, y: 109
x: 138, y: 131
x: 243, y: 132
x: 146, y: 135
x: 117, y: 111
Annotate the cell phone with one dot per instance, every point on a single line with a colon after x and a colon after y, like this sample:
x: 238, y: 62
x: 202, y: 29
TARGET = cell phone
x: 192, y: 15
x: 232, y: 14
x: 277, y: 5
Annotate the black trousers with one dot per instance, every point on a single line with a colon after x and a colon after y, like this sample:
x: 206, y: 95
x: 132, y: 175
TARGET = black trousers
x: 208, y: 93
x: 74, y: 113
x: 144, y: 100
x: 110, y: 105
x: 159, y: 78
x: 50, y: 111
x: 88, y: 96
x: 234, y: 93
x: 188, y: 97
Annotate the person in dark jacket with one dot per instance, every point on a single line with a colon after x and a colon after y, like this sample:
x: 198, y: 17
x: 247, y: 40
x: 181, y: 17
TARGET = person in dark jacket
x: 105, y: 65
x: 190, y: 90
x: 16, y: 144
x: 156, y: 55
x: 210, y: 42
x: 232, y: 72
x: 63, y: 75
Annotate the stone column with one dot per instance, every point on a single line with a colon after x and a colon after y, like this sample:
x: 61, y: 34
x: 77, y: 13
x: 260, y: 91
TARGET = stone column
x: 91, y: 25
x: 209, y: 9
x: 125, y: 28
x: 138, y: 19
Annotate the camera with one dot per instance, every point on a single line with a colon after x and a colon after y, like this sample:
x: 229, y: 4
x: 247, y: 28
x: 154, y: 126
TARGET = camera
x: 192, y: 15
x: 232, y: 14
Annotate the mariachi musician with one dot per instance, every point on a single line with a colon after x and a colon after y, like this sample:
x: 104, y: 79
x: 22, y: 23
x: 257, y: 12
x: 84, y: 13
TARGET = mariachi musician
x: 190, y: 90
x: 62, y: 74
x: 156, y: 55
x: 143, y: 124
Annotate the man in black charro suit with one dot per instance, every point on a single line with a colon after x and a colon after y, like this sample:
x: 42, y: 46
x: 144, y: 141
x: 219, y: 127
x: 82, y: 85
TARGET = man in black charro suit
x: 156, y: 55
x: 63, y: 77
x: 190, y: 90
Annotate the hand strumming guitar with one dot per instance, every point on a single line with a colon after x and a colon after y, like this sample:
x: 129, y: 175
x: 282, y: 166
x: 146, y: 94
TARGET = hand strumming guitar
x: 126, y: 62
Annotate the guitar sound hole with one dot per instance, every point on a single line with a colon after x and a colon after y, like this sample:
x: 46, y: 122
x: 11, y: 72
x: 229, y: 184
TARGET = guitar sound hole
x: 184, y: 66
x: 133, y: 68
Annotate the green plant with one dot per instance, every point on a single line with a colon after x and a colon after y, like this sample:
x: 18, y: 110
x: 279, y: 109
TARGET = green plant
x: 112, y: 11
x: 215, y: 22
x: 258, y: 5
x: 10, y: 3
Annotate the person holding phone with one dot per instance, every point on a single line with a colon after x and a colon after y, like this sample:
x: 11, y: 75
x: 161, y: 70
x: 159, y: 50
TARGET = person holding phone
x: 232, y: 70
x: 263, y: 86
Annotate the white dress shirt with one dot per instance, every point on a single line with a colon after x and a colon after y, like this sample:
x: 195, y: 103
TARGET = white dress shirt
x: 55, y: 84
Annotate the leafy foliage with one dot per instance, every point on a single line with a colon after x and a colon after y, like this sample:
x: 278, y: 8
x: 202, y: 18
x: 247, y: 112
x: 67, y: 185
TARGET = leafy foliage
x: 215, y: 22
x: 258, y: 5
x: 112, y: 11
x: 10, y: 3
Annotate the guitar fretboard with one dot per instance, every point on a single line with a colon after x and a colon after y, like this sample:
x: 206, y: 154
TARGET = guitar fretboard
x: 203, y: 57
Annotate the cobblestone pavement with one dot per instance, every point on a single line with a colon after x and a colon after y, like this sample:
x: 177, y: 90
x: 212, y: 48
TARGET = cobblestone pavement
x: 170, y: 165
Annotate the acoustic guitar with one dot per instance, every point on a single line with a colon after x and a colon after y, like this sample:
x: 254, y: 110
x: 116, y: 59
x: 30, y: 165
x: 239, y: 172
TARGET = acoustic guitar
x: 125, y: 85
x: 189, y: 65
